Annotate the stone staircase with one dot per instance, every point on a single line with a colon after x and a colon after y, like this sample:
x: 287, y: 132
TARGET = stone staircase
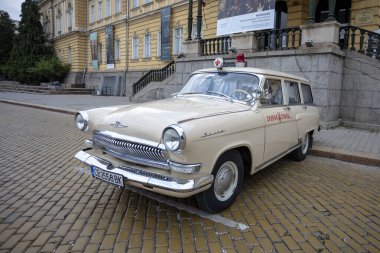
x: 9, y: 86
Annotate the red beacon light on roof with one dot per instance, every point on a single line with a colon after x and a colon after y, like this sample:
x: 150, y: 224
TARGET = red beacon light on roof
x: 240, y: 60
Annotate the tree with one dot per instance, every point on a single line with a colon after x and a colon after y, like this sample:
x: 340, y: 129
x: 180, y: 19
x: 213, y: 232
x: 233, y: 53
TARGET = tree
x: 7, y: 33
x: 29, y: 45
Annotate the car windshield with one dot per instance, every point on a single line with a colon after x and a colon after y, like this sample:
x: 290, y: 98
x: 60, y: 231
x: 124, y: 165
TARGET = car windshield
x: 230, y: 85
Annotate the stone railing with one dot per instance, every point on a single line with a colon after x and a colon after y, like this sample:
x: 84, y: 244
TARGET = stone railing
x: 279, y: 39
x: 360, y: 40
x: 156, y: 75
x: 215, y: 46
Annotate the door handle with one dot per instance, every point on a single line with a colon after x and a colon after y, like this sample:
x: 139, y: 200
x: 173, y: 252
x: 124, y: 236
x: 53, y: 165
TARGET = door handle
x: 287, y: 108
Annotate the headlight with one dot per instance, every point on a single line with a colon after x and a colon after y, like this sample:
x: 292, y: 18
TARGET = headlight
x: 81, y: 120
x: 174, y: 138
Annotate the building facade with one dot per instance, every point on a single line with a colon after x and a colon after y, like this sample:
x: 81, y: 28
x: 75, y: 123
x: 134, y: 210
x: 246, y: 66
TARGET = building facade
x: 64, y: 23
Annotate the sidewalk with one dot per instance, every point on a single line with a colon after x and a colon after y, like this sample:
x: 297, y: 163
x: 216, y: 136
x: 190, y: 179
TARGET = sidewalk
x: 347, y: 144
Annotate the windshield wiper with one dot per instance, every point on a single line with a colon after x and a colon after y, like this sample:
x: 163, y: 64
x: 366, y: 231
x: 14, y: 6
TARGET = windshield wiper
x: 189, y: 93
x: 218, y: 93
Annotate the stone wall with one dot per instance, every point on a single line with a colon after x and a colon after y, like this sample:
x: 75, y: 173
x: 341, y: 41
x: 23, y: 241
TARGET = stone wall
x: 360, y: 99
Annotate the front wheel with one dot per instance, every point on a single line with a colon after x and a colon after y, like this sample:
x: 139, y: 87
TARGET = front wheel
x: 300, y: 153
x: 228, y: 175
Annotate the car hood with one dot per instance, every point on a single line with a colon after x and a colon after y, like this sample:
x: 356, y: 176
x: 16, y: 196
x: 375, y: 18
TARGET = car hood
x: 148, y: 120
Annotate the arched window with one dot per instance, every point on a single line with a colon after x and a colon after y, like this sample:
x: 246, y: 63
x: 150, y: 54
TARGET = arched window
x: 69, y: 17
x: 59, y: 22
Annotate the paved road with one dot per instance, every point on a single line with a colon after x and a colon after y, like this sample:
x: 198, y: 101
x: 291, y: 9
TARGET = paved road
x: 47, y: 204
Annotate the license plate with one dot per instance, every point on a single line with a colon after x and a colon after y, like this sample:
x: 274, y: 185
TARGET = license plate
x: 107, y: 176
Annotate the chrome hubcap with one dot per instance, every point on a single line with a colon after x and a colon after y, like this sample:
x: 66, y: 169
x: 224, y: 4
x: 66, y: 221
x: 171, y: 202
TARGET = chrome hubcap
x: 305, y: 144
x: 226, y: 181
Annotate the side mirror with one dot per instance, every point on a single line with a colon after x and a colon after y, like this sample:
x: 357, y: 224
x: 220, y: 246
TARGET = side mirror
x: 256, y: 92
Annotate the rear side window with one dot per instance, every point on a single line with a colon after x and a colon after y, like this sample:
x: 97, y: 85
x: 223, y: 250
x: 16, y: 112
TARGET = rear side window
x: 293, y: 92
x: 306, y: 93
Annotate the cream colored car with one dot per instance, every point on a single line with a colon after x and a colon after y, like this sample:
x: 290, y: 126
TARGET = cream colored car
x: 224, y: 125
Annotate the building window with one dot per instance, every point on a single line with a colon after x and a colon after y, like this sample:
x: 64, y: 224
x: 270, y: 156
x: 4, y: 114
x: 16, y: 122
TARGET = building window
x: 148, y: 1
x: 46, y: 25
x: 194, y: 31
x: 147, y: 45
x: 59, y: 22
x: 100, y: 55
x: 100, y: 10
x: 108, y: 8
x: 158, y: 44
x: 135, y: 48
x: 117, y: 50
x: 135, y: 3
x: 69, y: 17
x: 92, y: 12
x: 69, y: 57
x: 177, y: 40
x: 117, y: 6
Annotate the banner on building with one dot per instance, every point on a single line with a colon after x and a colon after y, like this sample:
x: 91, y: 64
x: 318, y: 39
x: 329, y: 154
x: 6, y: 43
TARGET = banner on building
x: 109, y: 47
x: 165, y: 34
x: 245, y: 15
x: 94, y: 50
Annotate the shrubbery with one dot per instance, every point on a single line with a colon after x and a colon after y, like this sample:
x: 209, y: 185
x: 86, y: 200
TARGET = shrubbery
x: 50, y: 69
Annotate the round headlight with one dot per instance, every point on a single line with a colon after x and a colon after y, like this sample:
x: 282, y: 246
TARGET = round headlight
x: 174, y: 138
x: 81, y: 120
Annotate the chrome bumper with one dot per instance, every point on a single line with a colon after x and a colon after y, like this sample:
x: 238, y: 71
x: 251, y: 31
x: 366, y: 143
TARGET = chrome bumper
x: 147, y: 180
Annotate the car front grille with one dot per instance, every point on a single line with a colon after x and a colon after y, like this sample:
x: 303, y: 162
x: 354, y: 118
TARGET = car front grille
x: 131, y: 151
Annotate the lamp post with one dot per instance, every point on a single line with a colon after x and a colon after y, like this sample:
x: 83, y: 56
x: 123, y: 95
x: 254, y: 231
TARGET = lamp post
x: 199, y: 20
x: 311, y: 10
x: 331, y: 16
x: 190, y: 20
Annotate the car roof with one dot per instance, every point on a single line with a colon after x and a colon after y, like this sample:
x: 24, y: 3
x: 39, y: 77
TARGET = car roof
x: 258, y: 71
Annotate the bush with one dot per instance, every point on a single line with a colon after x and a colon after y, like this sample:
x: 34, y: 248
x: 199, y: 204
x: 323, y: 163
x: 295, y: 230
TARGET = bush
x: 50, y: 69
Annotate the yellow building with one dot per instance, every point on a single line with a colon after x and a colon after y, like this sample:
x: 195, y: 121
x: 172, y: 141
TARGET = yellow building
x: 79, y: 30
x: 65, y: 25
x: 106, y: 52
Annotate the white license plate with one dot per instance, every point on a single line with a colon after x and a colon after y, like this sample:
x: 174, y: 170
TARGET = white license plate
x: 107, y: 176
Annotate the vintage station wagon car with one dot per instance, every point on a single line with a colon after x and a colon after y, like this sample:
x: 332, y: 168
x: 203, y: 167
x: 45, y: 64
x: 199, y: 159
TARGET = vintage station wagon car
x: 225, y: 124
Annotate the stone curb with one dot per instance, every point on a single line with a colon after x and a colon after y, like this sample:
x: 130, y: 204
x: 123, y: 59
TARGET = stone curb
x: 333, y: 153
x: 346, y: 155
x: 43, y: 107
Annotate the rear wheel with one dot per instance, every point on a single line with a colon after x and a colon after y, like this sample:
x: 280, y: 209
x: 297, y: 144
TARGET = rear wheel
x: 300, y: 153
x: 228, y: 179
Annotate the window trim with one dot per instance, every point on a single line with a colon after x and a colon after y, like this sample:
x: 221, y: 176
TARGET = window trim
x: 180, y: 51
x: 92, y: 12
x: 100, y: 9
x: 158, y: 49
x: 146, y: 55
x: 135, y: 42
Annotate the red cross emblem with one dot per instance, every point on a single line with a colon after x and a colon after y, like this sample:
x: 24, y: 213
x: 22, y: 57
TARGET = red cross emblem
x: 218, y: 63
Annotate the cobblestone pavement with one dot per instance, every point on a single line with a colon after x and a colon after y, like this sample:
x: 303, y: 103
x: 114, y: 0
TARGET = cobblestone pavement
x: 46, y: 205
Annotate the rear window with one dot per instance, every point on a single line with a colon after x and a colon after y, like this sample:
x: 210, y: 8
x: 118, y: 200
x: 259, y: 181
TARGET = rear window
x: 306, y: 92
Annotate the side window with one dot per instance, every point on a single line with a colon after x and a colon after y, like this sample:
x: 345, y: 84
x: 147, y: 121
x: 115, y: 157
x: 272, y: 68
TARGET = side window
x: 306, y: 93
x: 273, y: 92
x: 291, y: 89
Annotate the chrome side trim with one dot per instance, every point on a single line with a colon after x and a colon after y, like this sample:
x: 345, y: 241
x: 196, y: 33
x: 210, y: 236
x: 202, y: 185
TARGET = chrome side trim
x: 145, y: 178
